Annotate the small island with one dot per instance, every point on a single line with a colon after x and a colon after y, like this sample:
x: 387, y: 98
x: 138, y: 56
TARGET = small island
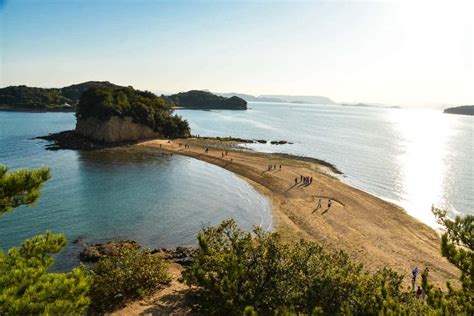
x: 203, y: 100
x: 107, y: 116
x: 462, y: 110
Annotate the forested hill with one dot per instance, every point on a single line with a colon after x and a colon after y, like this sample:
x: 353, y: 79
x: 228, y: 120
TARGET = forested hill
x: 46, y: 99
x: 203, y: 100
x: 463, y: 110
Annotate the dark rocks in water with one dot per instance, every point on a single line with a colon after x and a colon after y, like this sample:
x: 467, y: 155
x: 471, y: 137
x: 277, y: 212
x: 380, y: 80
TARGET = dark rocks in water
x: 279, y: 142
x: 111, y: 248
x: 261, y: 141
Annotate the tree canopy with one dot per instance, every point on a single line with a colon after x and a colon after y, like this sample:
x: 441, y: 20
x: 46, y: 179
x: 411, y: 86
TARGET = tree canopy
x: 142, y: 106
x: 26, y: 287
x: 32, y: 98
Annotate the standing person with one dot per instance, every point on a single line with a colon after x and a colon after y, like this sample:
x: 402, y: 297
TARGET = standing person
x: 296, y: 181
x: 414, y: 274
x: 329, y: 204
x: 319, y: 204
x: 280, y: 167
x: 301, y: 178
x: 310, y: 180
x: 419, y: 293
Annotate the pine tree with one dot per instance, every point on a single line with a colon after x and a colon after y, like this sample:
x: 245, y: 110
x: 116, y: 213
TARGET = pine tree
x: 26, y: 287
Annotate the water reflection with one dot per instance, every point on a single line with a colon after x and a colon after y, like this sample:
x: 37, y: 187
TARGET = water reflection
x: 422, y: 162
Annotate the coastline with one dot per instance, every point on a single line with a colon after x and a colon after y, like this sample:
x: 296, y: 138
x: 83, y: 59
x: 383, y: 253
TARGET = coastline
x: 371, y: 230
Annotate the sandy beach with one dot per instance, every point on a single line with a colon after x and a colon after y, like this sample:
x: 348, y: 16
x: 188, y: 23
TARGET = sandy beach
x: 371, y: 230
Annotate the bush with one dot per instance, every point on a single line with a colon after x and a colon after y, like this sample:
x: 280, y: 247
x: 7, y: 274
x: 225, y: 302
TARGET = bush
x: 258, y: 273
x: 130, y: 275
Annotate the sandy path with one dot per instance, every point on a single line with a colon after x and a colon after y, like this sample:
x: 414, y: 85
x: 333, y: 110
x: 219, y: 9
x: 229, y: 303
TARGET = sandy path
x: 369, y: 229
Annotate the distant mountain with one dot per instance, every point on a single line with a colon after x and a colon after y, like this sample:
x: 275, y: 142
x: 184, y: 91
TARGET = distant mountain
x: 204, y: 100
x: 46, y: 99
x: 279, y: 98
x: 249, y: 98
x: 371, y: 105
x: 301, y: 99
x: 463, y: 110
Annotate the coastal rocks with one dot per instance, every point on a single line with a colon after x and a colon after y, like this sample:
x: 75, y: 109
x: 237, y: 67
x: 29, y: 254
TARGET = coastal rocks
x: 279, y: 142
x: 114, y: 130
x: 111, y: 248
x: 182, y: 254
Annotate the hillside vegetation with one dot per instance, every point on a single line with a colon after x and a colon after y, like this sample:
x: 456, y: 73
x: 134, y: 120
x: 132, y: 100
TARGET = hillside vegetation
x: 43, y: 99
x: 142, y: 106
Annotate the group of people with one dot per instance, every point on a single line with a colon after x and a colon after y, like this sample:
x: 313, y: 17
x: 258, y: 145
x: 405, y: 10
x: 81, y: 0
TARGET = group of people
x: 420, y: 293
x: 224, y: 153
x: 272, y: 167
x: 185, y: 145
x: 305, y: 180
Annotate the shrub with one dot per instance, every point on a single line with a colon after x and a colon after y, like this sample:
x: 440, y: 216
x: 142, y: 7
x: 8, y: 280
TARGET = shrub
x: 132, y: 274
x: 258, y: 273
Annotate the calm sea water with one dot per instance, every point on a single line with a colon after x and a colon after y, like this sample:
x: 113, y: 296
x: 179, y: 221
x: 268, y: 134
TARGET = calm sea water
x: 415, y: 158
x: 99, y: 196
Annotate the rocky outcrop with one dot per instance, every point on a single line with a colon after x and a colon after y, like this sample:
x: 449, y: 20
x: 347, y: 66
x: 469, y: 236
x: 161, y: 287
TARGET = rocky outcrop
x: 111, y: 248
x: 184, y: 255
x: 114, y: 130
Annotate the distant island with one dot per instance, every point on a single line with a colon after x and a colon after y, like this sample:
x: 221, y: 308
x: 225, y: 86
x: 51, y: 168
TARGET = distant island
x: 23, y: 98
x: 366, y: 105
x: 462, y: 110
x: 204, y: 100
x: 280, y: 98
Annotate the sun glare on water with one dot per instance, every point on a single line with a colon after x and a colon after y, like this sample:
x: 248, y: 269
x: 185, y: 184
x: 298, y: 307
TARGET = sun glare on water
x: 423, y: 154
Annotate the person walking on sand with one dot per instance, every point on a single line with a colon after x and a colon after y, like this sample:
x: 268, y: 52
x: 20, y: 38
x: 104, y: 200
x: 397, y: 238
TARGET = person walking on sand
x: 329, y: 204
x: 311, y: 180
x: 280, y: 167
x: 319, y: 204
x: 296, y: 181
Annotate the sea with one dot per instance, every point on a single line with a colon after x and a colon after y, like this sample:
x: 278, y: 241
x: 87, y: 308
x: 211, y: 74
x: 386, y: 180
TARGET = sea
x: 415, y: 158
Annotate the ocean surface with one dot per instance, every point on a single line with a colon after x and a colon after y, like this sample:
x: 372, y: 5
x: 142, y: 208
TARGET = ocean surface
x: 415, y: 158
x: 99, y: 196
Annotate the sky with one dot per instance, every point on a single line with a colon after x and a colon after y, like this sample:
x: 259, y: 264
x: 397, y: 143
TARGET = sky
x: 408, y: 53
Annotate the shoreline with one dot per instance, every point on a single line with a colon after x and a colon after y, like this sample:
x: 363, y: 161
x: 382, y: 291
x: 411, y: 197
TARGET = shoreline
x: 371, y: 230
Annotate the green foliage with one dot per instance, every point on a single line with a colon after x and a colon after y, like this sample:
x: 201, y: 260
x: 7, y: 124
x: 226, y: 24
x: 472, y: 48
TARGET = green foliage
x: 132, y: 274
x: 26, y: 286
x: 196, y: 99
x: 23, y: 97
x: 235, y: 270
x: 142, y: 106
x: 20, y: 187
x: 457, y: 245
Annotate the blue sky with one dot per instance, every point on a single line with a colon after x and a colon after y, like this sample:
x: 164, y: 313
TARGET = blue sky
x: 407, y: 53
